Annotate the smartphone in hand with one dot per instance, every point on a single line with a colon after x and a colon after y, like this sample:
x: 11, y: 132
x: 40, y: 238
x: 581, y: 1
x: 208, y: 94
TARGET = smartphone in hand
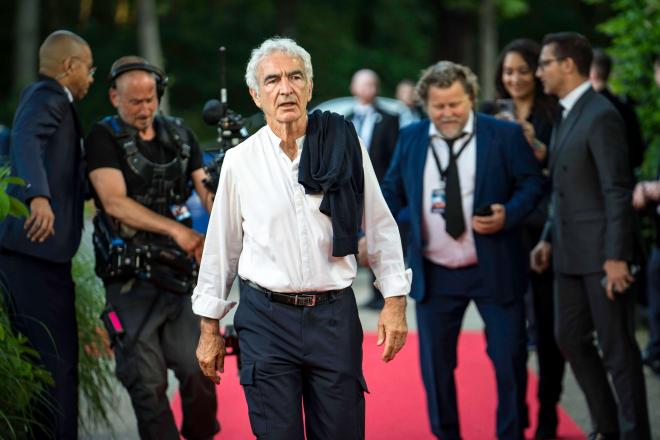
x: 634, y: 269
x: 507, y: 108
x: 484, y: 211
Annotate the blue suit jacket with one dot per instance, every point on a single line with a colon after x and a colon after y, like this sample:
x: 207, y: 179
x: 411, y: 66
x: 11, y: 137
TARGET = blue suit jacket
x: 46, y: 152
x: 506, y: 173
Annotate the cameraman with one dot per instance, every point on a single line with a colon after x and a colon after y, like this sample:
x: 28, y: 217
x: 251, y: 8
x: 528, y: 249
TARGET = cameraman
x: 142, y: 168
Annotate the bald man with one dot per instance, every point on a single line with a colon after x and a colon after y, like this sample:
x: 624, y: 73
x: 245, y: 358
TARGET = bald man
x: 35, y: 253
x: 378, y: 131
x: 142, y: 167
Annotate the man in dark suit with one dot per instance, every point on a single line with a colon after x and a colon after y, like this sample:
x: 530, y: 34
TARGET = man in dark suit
x: 592, y: 242
x: 378, y: 130
x: 35, y: 254
x: 471, y: 179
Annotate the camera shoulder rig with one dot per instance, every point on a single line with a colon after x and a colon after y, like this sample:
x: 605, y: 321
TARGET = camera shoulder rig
x: 165, y: 267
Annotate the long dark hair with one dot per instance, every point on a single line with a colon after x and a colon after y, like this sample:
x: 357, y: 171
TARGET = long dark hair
x: 530, y: 51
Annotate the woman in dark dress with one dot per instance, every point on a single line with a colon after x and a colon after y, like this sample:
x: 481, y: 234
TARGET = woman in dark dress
x: 535, y: 112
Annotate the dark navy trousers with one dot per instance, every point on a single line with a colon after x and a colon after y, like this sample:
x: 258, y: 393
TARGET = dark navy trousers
x: 301, y: 357
x: 439, y: 319
x: 653, y: 286
x: 42, y: 307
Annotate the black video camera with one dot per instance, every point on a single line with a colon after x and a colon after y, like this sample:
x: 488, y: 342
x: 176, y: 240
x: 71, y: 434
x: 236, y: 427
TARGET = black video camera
x: 231, y: 129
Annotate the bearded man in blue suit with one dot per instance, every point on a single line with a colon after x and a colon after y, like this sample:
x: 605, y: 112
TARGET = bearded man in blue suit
x: 469, y: 180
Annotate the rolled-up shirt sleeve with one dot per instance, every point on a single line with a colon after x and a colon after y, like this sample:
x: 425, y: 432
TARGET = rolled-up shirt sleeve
x: 222, y: 249
x: 384, y: 250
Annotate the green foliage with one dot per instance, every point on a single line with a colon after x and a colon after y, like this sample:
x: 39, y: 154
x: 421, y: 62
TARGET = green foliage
x: 10, y: 205
x: 635, y: 32
x: 96, y: 371
x: 23, y: 381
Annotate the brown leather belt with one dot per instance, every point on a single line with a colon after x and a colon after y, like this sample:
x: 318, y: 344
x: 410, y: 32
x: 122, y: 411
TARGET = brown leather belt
x: 309, y: 299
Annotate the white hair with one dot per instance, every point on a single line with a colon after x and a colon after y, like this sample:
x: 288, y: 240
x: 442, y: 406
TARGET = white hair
x: 276, y: 44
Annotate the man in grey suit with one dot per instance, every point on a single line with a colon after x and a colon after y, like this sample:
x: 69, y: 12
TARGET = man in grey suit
x: 591, y: 234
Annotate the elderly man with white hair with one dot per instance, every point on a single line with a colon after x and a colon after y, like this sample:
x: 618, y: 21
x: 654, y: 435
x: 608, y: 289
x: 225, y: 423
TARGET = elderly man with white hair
x: 291, y: 200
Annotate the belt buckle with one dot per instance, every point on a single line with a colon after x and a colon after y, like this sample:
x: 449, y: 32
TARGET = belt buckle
x: 305, y: 300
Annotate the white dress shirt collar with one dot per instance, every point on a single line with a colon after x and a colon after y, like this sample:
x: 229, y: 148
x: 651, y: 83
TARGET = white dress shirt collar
x: 363, y: 109
x: 275, y: 141
x: 68, y: 94
x: 568, y: 101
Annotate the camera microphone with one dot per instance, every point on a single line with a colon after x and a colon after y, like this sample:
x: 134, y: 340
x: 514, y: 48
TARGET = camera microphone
x: 213, y: 111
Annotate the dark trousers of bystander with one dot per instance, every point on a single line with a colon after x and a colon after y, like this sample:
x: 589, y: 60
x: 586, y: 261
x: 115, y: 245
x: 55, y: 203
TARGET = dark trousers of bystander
x: 582, y: 308
x: 439, y: 319
x: 168, y: 339
x: 41, y: 306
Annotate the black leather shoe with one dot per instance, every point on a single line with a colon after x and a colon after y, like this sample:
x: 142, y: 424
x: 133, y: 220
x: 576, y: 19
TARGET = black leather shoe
x: 546, y: 428
x: 545, y: 433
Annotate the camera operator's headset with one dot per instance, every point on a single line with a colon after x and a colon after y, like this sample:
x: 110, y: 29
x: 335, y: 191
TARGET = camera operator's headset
x: 161, y: 78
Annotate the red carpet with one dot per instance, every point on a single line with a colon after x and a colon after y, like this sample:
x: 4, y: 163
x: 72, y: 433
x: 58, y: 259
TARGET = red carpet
x: 396, y: 407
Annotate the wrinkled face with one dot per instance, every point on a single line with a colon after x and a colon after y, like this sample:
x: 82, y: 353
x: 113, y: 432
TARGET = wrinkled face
x: 284, y: 90
x: 517, y: 77
x: 549, y: 70
x: 135, y: 98
x: 81, y: 74
x: 364, y: 86
x: 449, y: 108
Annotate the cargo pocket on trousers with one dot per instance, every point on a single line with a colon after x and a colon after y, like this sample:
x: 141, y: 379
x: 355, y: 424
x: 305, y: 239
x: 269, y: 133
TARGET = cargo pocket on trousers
x: 255, y: 403
x: 363, y: 384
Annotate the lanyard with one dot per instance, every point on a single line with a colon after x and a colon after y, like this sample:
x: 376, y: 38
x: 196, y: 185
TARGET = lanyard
x: 443, y: 173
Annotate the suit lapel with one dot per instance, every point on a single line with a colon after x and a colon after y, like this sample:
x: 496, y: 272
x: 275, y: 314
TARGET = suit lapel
x: 560, y: 135
x: 419, y: 152
x: 482, y: 141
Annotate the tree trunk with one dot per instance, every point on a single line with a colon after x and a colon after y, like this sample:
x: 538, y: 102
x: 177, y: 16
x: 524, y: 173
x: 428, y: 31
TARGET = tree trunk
x: 487, y: 48
x: 453, y: 36
x: 149, y: 40
x: 26, y: 43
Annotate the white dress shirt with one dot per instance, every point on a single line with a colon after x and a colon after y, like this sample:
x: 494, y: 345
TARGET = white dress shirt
x: 369, y: 117
x: 440, y: 247
x: 264, y: 228
x: 568, y: 101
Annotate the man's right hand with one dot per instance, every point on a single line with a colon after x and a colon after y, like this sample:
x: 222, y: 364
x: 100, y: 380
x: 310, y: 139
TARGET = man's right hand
x: 41, y: 223
x: 539, y: 259
x: 211, y: 349
x: 192, y: 242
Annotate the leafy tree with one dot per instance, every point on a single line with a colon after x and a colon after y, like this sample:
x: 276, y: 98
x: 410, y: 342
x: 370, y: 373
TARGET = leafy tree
x: 10, y: 205
x: 635, y: 33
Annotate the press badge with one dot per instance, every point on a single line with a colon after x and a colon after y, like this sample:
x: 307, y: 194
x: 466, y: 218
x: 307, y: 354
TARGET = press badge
x: 439, y: 199
x: 180, y: 212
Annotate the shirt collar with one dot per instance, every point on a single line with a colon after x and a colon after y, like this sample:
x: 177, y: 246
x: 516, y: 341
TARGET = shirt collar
x: 469, y: 127
x: 68, y: 93
x: 363, y: 109
x: 568, y: 101
x: 275, y: 141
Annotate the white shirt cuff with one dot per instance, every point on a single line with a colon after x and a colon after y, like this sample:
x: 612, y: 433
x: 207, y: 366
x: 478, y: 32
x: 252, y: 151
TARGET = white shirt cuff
x: 394, y: 284
x: 210, y: 306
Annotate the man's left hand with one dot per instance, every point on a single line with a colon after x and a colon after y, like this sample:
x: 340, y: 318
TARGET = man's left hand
x: 490, y: 224
x: 392, y: 326
x: 618, y: 277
